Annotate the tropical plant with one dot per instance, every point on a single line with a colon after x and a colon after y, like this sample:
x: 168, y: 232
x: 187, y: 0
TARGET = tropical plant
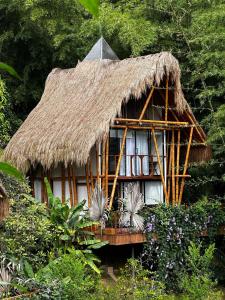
x: 27, y: 232
x: 131, y: 205
x: 71, y: 224
x: 134, y: 283
x: 196, y: 281
x: 10, y: 70
x: 92, y: 6
x: 98, y: 210
x: 75, y: 280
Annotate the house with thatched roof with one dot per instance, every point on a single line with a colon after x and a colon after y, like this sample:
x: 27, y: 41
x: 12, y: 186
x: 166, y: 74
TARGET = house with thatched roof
x: 110, y: 122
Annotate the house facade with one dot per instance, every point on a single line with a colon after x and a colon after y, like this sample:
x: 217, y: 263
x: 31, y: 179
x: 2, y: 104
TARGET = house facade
x: 110, y: 122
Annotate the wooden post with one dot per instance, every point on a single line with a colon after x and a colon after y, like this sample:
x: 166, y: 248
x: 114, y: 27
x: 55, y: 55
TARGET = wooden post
x: 87, y: 183
x: 70, y: 185
x: 75, y: 200
x: 160, y: 166
x: 106, y: 168
x: 63, y: 184
x: 103, y: 164
x: 186, y: 164
x: 173, y: 170
x: 91, y: 175
x: 178, y: 166
x: 169, y: 171
x: 118, y: 168
x: 97, y: 163
x: 167, y: 98
x: 146, y: 104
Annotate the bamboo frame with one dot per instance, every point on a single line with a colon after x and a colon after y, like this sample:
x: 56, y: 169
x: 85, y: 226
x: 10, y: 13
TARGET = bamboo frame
x: 169, y: 171
x: 63, y: 184
x: 160, y: 166
x: 146, y: 104
x: 97, y: 163
x: 166, y: 100
x: 87, y: 183
x: 186, y: 164
x: 106, y: 168
x: 75, y: 200
x: 122, y: 120
x: 118, y: 168
x: 173, y: 169
x: 70, y: 185
x: 196, y: 128
x: 178, y: 166
x: 91, y: 175
x: 103, y: 164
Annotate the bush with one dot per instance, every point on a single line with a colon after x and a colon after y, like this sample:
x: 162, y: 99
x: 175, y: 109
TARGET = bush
x: 27, y: 232
x: 169, y: 231
x: 74, y: 280
x: 133, y: 284
x: 196, y: 281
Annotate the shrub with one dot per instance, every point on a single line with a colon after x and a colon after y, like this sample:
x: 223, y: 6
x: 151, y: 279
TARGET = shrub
x: 133, y: 284
x: 169, y: 231
x: 74, y: 280
x: 27, y: 232
x: 196, y: 280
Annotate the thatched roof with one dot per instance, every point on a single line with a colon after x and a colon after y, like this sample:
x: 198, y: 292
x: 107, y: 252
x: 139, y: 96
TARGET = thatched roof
x: 78, y: 105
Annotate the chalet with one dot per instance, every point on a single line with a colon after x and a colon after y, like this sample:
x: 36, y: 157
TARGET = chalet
x: 111, y: 122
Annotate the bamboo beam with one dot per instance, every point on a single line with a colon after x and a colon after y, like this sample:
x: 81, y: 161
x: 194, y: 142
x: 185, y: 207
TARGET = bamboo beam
x: 75, y: 200
x: 97, y: 163
x: 146, y: 104
x: 178, y: 166
x: 118, y: 168
x: 173, y: 169
x: 196, y: 127
x: 87, y: 183
x: 70, y: 185
x: 160, y: 166
x: 167, y: 98
x: 169, y: 172
x: 122, y: 120
x: 186, y: 164
x: 140, y: 127
x: 91, y: 175
x: 107, y: 168
x: 63, y: 184
x: 103, y: 164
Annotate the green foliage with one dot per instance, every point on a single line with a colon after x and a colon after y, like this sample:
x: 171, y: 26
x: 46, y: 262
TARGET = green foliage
x: 73, y: 278
x: 196, y: 282
x: 134, y: 283
x: 8, y: 169
x: 170, y: 230
x: 4, y: 123
x: 71, y: 224
x: 27, y: 233
x: 92, y: 6
x: 6, y: 68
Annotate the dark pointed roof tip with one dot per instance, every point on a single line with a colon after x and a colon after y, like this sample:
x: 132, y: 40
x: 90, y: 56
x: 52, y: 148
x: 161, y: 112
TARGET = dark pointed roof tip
x: 101, y: 50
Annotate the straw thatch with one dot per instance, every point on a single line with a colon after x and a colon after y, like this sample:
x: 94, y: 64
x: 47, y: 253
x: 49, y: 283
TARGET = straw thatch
x: 79, y: 104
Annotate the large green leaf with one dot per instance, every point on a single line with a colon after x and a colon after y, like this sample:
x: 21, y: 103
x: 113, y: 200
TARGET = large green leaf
x: 92, y: 6
x: 9, y: 69
x: 8, y: 169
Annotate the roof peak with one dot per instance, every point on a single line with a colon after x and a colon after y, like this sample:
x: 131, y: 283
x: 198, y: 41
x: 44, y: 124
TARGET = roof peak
x: 101, y: 50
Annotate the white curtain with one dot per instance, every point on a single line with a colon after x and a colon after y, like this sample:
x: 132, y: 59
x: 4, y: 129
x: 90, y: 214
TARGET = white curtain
x: 159, y: 140
x: 153, y: 192
x: 142, y: 149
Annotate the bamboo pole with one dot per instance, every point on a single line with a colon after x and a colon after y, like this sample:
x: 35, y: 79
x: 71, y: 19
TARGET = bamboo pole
x: 169, y: 172
x: 160, y: 166
x: 70, y: 185
x: 173, y: 170
x: 167, y: 98
x: 103, y: 164
x: 87, y: 183
x: 91, y: 175
x: 178, y: 167
x: 97, y: 163
x: 140, y: 127
x: 75, y: 200
x: 146, y: 104
x: 107, y: 168
x: 186, y: 164
x: 118, y: 168
x: 122, y: 120
x: 63, y: 184
x: 196, y: 127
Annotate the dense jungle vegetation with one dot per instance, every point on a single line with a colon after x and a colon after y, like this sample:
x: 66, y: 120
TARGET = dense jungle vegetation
x: 45, y: 247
